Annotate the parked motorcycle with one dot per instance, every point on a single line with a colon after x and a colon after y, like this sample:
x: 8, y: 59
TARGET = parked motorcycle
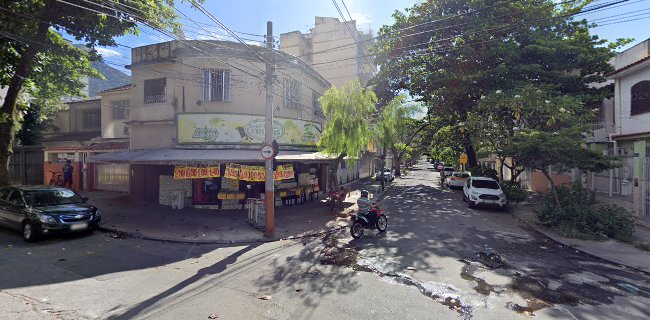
x: 375, y: 219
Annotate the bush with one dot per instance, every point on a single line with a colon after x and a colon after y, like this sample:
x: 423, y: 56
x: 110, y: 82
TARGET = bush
x: 481, y: 171
x: 514, y: 191
x: 580, y: 216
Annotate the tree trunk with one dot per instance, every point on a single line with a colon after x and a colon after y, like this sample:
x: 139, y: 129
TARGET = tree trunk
x: 501, y: 164
x: 553, y: 189
x: 8, y: 111
x: 333, y: 174
x: 471, y: 155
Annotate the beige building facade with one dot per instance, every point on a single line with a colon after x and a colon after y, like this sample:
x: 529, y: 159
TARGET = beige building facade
x: 335, y: 49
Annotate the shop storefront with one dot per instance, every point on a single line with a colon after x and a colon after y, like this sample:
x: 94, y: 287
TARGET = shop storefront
x: 221, y: 179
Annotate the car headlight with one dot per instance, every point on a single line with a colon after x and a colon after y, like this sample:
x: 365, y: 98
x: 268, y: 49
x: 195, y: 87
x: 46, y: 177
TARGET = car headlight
x: 43, y: 218
x: 474, y: 195
x: 97, y: 213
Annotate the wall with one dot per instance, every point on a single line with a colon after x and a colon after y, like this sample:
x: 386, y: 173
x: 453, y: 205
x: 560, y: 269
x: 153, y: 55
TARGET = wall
x: 154, y: 124
x: 632, y: 55
x: 626, y: 123
x: 50, y: 167
x: 168, y: 184
x: 539, y: 183
x: 145, y: 181
x: 330, y: 40
x: 113, y: 128
x: 77, y: 109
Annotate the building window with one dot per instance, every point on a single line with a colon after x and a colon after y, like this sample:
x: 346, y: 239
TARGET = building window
x: 316, y: 104
x: 155, y: 90
x: 216, y: 85
x: 292, y: 94
x: 640, y: 101
x: 120, y: 109
x: 91, y: 119
x: 127, y: 130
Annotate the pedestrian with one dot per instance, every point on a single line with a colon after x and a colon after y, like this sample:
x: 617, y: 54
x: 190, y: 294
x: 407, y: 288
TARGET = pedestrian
x: 68, y: 169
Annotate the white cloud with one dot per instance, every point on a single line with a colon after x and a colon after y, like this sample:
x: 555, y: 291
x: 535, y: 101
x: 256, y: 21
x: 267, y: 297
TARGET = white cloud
x: 108, y: 52
x: 361, y: 18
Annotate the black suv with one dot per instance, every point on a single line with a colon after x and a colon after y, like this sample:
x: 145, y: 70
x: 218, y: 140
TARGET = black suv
x: 42, y: 210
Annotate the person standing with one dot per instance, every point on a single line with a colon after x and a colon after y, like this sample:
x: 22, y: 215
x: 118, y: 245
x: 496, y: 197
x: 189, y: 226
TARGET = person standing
x: 68, y: 169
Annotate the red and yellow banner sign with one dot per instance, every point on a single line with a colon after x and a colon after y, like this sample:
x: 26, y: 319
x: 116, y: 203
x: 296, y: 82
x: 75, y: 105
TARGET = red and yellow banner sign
x: 234, y: 171
x: 186, y: 172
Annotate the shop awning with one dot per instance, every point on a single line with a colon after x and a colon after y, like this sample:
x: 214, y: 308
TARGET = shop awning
x: 202, y: 156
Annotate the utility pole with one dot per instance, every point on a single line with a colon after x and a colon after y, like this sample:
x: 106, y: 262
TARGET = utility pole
x: 268, y: 135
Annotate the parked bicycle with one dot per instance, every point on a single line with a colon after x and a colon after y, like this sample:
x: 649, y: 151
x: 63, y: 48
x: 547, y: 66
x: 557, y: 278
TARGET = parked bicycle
x: 56, y: 179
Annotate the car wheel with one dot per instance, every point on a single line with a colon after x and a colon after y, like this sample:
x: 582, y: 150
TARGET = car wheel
x: 30, y: 231
x: 470, y: 203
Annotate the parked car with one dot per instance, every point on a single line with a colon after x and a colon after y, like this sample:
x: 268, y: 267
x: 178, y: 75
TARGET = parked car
x: 483, y: 191
x: 440, y: 167
x: 448, y: 171
x: 388, y: 175
x: 43, y: 210
x: 457, y: 179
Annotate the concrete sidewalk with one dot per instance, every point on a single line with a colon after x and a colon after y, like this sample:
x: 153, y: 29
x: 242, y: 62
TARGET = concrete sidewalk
x: 611, y: 250
x: 121, y: 214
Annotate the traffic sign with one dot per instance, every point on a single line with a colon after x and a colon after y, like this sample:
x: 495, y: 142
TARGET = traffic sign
x: 267, y: 152
x: 463, y: 158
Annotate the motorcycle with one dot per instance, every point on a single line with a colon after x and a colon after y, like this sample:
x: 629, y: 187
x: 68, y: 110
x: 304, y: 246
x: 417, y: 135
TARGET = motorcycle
x: 375, y: 219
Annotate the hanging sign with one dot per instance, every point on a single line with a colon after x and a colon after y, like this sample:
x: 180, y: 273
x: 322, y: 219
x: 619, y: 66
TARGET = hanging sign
x: 190, y: 172
x: 232, y: 171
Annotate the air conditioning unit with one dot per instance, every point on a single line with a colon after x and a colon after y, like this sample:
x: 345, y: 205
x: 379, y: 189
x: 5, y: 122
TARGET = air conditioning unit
x: 178, y: 199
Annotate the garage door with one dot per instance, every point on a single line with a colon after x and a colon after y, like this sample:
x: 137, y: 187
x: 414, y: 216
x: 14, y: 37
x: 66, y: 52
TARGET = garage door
x: 112, y: 177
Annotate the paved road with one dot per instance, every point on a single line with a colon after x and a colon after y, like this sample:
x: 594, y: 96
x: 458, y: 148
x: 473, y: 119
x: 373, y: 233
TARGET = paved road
x: 424, y: 267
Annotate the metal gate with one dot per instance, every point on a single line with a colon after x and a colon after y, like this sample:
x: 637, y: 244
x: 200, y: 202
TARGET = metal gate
x: 112, y: 177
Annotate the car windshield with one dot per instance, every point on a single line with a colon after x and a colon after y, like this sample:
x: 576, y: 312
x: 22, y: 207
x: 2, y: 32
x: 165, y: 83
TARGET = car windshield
x: 449, y: 169
x: 461, y: 175
x: 485, y: 184
x: 51, y: 197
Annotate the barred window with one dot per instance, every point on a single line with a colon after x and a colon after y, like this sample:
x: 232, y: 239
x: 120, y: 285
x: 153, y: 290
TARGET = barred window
x: 216, y: 85
x: 155, y: 90
x: 292, y: 94
x: 640, y: 98
x: 91, y: 119
x: 120, y: 109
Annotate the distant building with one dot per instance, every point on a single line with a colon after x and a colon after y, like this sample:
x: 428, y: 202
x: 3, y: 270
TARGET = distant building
x: 335, y: 49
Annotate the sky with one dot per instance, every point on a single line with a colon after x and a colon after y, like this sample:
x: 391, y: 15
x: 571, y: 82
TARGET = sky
x: 630, y: 19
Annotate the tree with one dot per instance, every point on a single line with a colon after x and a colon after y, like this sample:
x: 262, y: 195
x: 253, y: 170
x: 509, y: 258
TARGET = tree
x: 452, y: 52
x: 562, y: 150
x: 35, y: 59
x: 347, y: 131
x: 395, y: 128
x: 537, y: 128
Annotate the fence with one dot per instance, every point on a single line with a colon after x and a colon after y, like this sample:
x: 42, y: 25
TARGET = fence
x: 617, y: 182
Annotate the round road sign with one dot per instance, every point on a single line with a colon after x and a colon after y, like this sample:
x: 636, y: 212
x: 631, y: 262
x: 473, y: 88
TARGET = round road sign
x: 267, y: 152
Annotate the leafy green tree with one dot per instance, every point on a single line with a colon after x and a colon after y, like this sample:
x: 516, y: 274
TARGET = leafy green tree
x: 537, y: 128
x: 36, y: 61
x: 348, y: 130
x: 452, y: 52
x: 396, y: 130
x: 562, y: 150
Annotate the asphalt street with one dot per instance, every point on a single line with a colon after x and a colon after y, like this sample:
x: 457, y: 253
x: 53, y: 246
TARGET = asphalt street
x: 425, y: 266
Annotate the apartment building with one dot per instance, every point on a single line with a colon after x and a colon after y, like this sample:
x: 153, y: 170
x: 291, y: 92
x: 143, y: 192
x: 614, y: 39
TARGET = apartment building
x: 335, y: 49
x: 196, y: 115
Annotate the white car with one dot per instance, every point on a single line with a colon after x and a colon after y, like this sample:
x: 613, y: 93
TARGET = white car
x: 388, y: 175
x: 483, y: 191
x: 457, y: 179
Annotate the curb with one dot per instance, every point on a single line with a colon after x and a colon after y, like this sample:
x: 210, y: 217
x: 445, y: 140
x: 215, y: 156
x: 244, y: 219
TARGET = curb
x: 137, y: 235
x: 540, y: 231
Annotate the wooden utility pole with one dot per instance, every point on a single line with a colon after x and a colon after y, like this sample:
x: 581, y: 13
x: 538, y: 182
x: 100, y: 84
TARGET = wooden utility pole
x: 268, y: 135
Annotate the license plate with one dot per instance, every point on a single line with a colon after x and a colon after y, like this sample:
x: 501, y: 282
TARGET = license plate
x: 78, y: 226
